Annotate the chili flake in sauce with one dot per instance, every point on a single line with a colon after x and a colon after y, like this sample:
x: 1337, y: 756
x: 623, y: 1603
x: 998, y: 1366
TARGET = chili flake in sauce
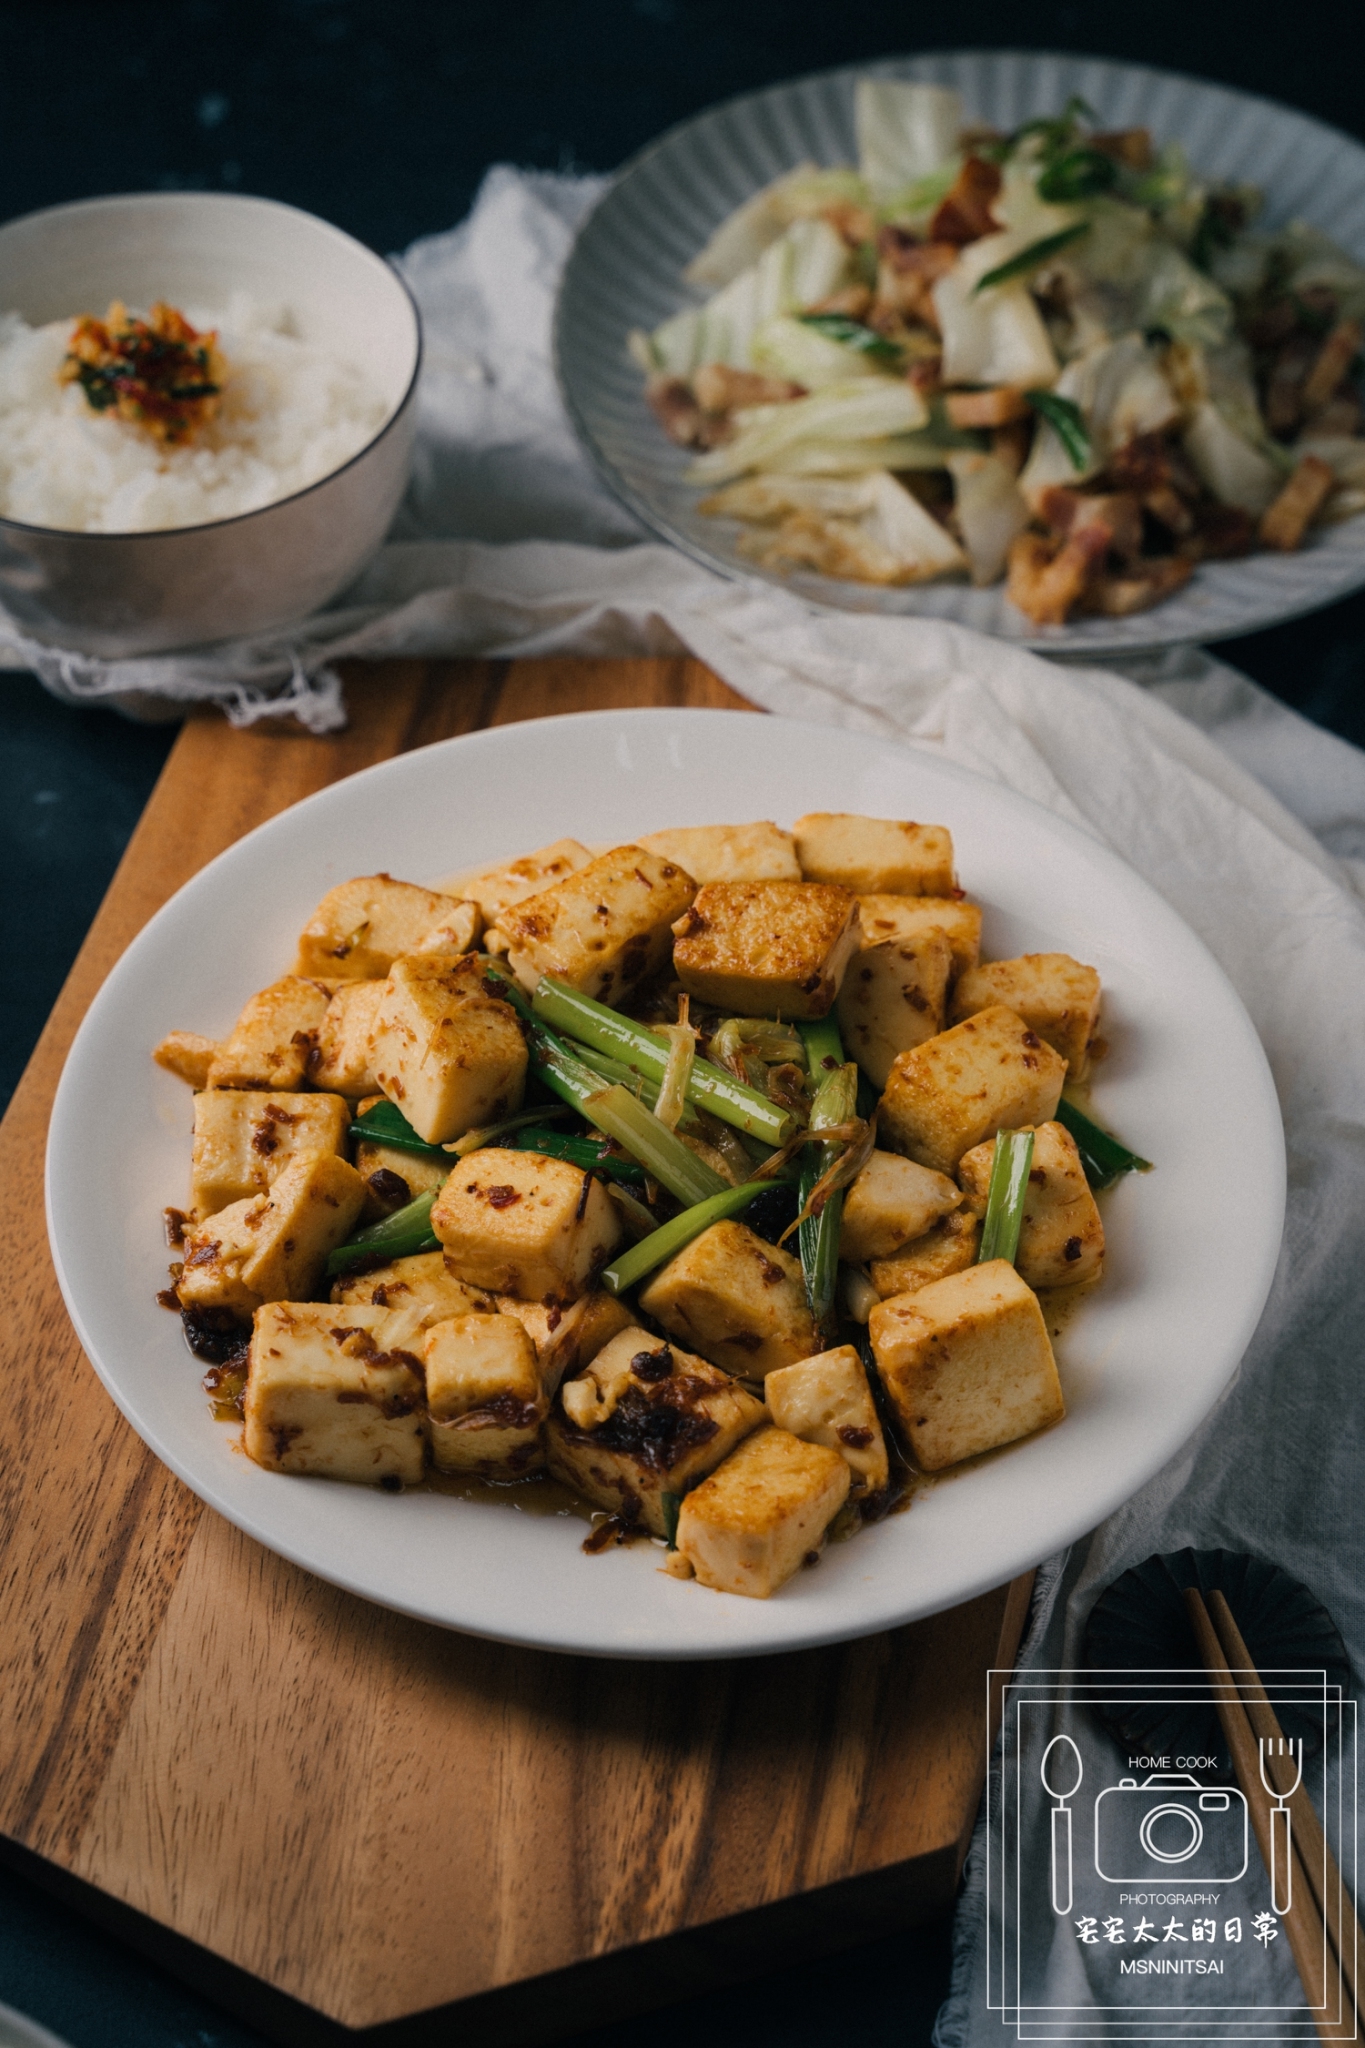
x: 160, y: 373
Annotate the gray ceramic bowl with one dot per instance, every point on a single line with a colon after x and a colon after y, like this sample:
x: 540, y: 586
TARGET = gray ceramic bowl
x: 119, y: 594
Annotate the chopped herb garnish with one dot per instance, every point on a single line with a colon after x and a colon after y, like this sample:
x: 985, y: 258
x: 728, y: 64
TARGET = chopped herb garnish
x: 1077, y: 174
x: 852, y: 334
x: 1036, y: 253
x: 1067, y: 421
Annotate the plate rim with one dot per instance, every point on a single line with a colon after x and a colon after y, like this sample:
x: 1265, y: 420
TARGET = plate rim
x: 1096, y: 650
x: 1164, y: 1445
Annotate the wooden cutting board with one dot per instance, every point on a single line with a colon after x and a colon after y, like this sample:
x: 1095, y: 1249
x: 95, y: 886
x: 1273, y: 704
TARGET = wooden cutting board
x: 330, y: 1817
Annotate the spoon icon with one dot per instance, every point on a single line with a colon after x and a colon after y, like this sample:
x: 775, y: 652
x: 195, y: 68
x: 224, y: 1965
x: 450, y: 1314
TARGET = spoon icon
x: 1066, y: 1770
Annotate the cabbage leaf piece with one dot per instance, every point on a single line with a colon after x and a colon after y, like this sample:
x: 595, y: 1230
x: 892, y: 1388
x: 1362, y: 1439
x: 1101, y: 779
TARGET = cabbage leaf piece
x: 905, y: 131
x: 808, y: 261
x: 743, y: 235
x: 1121, y: 392
x: 789, y: 347
x: 862, y: 409
x: 990, y: 509
x: 995, y: 335
x: 870, y: 529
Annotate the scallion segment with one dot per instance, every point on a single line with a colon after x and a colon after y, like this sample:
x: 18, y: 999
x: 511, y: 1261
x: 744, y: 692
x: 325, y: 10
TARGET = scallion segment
x: 836, y: 1091
x: 385, y: 1124
x: 1006, y: 1196
x: 624, y: 1117
x: 1041, y: 251
x: 646, y: 1052
x: 852, y: 334
x: 670, y: 1238
x: 1103, y: 1157
x: 590, y: 1153
x: 400, y: 1236
x: 1067, y: 422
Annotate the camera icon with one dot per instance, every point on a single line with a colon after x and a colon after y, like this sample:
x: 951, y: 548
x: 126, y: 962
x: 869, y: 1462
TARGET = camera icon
x: 1170, y: 1826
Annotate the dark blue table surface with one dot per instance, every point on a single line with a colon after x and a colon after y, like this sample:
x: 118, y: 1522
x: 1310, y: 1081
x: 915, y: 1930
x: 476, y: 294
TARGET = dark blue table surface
x: 383, y: 117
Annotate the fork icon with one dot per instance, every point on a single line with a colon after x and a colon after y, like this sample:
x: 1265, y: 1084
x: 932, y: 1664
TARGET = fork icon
x: 1281, y: 1826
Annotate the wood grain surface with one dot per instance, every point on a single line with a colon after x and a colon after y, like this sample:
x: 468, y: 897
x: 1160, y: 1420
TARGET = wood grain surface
x: 335, y: 1817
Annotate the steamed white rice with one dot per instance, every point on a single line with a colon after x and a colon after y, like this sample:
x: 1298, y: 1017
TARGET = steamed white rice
x: 291, y: 413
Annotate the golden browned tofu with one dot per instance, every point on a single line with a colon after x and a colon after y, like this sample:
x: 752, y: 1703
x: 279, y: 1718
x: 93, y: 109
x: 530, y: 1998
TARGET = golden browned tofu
x: 737, y: 1300
x: 605, y: 929
x: 340, y: 1396
x: 569, y: 1337
x: 243, y: 1140
x: 767, y: 949
x: 645, y: 1419
x: 455, y: 932
x: 188, y: 1056
x: 340, y: 1057
x: 268, y: 1046
x: 875, y: 856
x: 484, y: 1397
x: 893, y: 998
x: 988, y: 1074
x: 892, y: 1201
x: 274, y: 1246
x: 966, y: 1364
x: 450, y: 1055
x: 1061, y: 1239
x: 947, y: 1248
x: 422, y: 1284
x: 909, y: 917
x: 728, y: 853
x: 518, y: 1223
x: 361, y: 927
x: 1055, y: 995
x: 506, y: 882
x: 826, y: 1400
x: 762, y: 1514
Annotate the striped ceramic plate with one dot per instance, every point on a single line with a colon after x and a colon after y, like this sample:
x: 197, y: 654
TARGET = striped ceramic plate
x: 626, y: 271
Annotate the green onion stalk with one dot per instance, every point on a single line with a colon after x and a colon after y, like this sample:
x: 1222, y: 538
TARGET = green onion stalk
x: 1006, y: 1196
x: 1103, y: 1158
x: 836, y: 1090
x: 671, y: 1237
x: 400, y: 1236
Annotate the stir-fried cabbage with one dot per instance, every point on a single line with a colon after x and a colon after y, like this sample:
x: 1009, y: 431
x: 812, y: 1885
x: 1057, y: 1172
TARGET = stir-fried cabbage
x: 806, y: 263
x: 905, y: 131
x: 995, y: 335
x: 864, y: 409
x: 870, y: 527
x: 990, y: 511
x: 743, y: 236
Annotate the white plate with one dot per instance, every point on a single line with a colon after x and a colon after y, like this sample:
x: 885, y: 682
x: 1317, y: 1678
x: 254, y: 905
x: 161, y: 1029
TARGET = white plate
x: 626, y: 267
x: 1192, y: 1251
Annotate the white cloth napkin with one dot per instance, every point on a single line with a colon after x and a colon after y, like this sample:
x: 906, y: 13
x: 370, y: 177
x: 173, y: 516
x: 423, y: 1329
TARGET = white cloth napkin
x: 1248, y: 820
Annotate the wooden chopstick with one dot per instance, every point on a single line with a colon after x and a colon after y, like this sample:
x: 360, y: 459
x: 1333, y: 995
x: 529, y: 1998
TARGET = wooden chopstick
x: 1343, y: 1929
x: 1302, y: 1924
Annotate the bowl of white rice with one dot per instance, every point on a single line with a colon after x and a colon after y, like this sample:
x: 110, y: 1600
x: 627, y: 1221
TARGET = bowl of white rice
x: 114, y: 542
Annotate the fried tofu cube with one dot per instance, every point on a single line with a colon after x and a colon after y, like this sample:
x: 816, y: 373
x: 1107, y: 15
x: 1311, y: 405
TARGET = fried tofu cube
x: 728, y: 853
x: 875, y: 856
x: 567, y: 1338
x: 908, y: 918
x: 188, y: 1056
x: 455, y: 932
x: 604, y: 929
x: 826, y: 1400
x: 893, y: 998
x: 361, y: 927
x: 422, y: 1284
x: 1055, y: 995
x: 764, y: 949
x: 966, y: 1364
x: 892, y: 1201
x: 498, y: 887
x: 335, y: 1395
x: 762, y: 1514
x: 340, y: 1058
x: 518, y: 1223
x: 1061, y: 1239
x: 484, y: 1397
x: 451, y: 1056
x: 736, y: 1299
x: 268, y: 1046
x: 274, y: 1246
x: 949, y: 1246
x: 645, y: 1419
x: 243, y: 1141
x: 988, y: 1074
